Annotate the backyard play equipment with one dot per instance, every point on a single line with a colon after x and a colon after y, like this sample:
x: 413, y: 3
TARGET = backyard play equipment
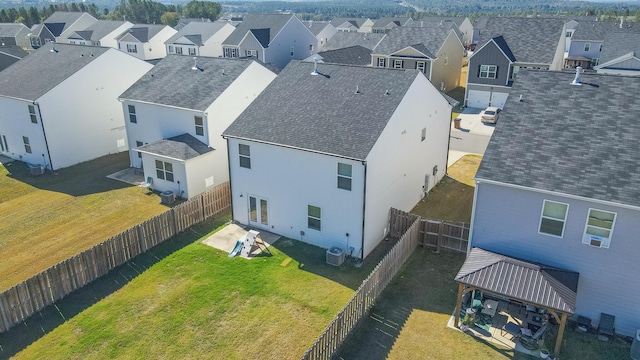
x: 247, y: 242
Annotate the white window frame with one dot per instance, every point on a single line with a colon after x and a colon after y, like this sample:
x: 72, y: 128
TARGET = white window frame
x: 199, y: 125
x: 381, y: 62
x: 164, y: 170
x: 345, y: 178
x: 32, y: 113
x: 491, y: 71
x: 244, y: 156
x: 421, y: 65
x: 132, y: 48
x: 587, y: 47
x: 170, y: 49
x: 178, y: 50
x: 543, y: 217
x: 27, y: 145
x: 133, y: 118
x: 314, y: 218
x: 588, y: 238
x: 397, y: 64
x: 234, y: 53
x: 226, y: 52
x: 251, y: 53
x: 192, y: 51
x: 138, y: 144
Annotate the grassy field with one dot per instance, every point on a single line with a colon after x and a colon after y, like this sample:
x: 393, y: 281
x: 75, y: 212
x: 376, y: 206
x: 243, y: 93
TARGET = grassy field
x: 46, y: 219
x: 192, y: 301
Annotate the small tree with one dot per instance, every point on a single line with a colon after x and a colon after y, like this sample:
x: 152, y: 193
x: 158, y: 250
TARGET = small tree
x: 170, y: 18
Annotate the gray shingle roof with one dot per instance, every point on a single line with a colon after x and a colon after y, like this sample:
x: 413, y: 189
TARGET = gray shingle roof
x: 343, y: 40
x: 502, y: 44
x: 576, y: 140
x: 10, y: 30
x: 315, y: 26
x: 354, y: 55
x: 13, y: 50
x: 357, y: 22
x: 458, y: 20
x: 617, y: 44
x: 390, y: 21
x: 532, y: 40
x: 426, y: 39
x: 203, y: 31
x: 520, y: 280
x: 596, y: 30
x: 143, y: 32
x: 184, y: 21
x: 182, y: 147
x: 271, y: 23
x: 323, y: 113
x: 66, y: 18
x: 173, y: 82
x: 43, y: 70
x: 97, y: 31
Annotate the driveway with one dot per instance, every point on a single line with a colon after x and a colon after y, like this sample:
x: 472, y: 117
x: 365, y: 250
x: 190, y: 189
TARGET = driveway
x: 473, y: 136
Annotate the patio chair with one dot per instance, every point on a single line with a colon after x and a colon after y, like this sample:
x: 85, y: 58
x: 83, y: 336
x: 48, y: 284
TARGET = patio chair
x: 531, y: 342
x: 606, y: 325
x: 147, y: 184
x: 513, y: 329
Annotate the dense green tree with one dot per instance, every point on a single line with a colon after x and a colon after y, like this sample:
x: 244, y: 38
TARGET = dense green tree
x: 170, y: 18
x: 202, y: 9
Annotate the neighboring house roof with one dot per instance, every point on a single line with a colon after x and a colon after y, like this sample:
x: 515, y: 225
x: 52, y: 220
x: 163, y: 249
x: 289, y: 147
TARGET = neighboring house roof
x: 458, y: 20
x: 316, y: 27
x: 383, y: 22
x: 341, y: 111
x: 41, y: 71
x: 617, y: 44
x: 502, y: 44
x: 347, y: 39
x: 264, y: 27
x: 11, y: 30
x: 97, y: 31
x: 197, y: 32
x: 354, y: 55
x: 596, y: 30
x: 182, y: 147
x: 173, y: 82
x: 143, y: 33
x: 357, y: 22
x: 427, y: 40
x: 569, y: 139
x: 183, y: 22
x: 520, y: 280
x: 13, y: 51
x: 60, y: 21
x: 531, y: 40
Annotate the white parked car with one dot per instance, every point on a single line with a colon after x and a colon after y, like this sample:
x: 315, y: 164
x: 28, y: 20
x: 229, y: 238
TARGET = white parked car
x: 490, y: 115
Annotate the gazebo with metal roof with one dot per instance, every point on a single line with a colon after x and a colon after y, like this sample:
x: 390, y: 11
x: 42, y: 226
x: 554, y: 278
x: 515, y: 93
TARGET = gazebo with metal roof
x: 540, y: 285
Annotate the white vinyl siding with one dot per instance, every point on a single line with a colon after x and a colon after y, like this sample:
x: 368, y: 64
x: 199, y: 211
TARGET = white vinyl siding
x: 553, y: 218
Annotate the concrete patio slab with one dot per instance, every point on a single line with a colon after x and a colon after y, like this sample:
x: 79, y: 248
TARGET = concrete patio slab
x: 226, y: 239
x: 130, y: 175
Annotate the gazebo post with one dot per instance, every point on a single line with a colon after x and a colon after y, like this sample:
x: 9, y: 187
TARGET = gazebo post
x: 458, y: 305
x: 563, y: 322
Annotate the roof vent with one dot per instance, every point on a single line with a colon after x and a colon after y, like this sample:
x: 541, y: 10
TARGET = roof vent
x: 53, y: 47
x: 357, y: 89
x: 386, y: 92
x: 621, y: 22
x: 195, y: 64
x: 576, y: 80
x: 520, y: 98
x: 315, y: 66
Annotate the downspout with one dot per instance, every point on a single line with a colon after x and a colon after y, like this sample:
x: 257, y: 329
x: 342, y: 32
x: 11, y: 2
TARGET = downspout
x: 446, y: 171
x: 230, y: 182
x: 430, y: 70
x: 44, y: 134
x: 364, y: 209
x: 473, y: 218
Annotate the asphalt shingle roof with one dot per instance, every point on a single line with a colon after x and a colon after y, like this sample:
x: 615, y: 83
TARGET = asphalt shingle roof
x: 528, y: 282
x: 269, y: 24
x: 65, y: 18
x: 10, y: 30
x: 354, y: 55
x: 43, y: 70
x: 197, y: 32
x: 343, y: 40
x: 385, y: 21
x: 13, y: 50
x: 143, y: 32
x: 428, y: 40
x: 570, y: 139
x: 97, y: 31
x: 173, y: 82
x: 596, y: 30
x: 315, y: 26
x: 617, y: 44
x: 182, y: 147
x: 323, y: 113
x: 532, y: 40
x: 357, y: 22
x: 439, y: 20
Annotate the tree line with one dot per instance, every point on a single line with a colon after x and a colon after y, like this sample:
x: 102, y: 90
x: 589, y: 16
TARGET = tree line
x: 135, y: 11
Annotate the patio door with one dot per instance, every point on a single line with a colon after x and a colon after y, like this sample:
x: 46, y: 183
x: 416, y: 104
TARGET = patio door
x: 258, y: 211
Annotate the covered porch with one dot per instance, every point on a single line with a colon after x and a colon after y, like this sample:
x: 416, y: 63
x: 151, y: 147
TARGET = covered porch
x: 514, y: 302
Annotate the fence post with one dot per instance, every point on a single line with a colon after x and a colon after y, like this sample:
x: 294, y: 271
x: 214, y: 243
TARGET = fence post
x: 440, y: 231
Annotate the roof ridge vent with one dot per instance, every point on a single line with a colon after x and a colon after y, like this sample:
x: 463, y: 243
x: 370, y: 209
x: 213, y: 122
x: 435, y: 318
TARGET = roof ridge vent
x: 315, y: 66
x: 576, y: 80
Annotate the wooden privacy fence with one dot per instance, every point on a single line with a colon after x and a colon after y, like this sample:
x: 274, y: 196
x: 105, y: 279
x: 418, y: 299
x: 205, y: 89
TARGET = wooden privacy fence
x: 447, y: 235
x: 54, y: 283
x: 364, y: 298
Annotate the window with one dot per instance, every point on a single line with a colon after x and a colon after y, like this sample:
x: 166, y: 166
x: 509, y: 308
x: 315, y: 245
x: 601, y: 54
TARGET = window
x: 514, y: 71
x: 138, y: 144
x: 251, y: 53
x: 32, y: 114
x: 132, y: 48
x: 132, y: 114
x: 192, y: 51
x: 488, y: 71
x: 245, y: 155
x: 6, y: 144
x: 314, y: 217
x: 170, y: 50
x: 226, y: 52
x: 310, y: 47
x: 552, y: 220
x: 598, y: 229
x: 587, y: 47
x: 600, y: 48
x: 421, y: 65
x: 381, y: 62
x: 397, y: 64
x: 292, y: 51
x: 424, y: 134
x: 164, y: 170
x: 234, y: 53
x: 199, y: 125
x: 344, y: 176
x: 178, y: 50
x: 27, y: 146
x: 568, y: 34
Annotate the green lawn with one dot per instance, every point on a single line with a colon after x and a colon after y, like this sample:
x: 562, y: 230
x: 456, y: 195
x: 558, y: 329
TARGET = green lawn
x: 49, y: 218
x: 192, y: 301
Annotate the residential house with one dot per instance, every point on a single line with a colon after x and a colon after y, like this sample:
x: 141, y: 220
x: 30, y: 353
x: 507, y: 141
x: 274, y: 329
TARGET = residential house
x: 506, y: 46
x: 362, y: 25
x: 10, y: 54
x: 272, y: 38
x: 351, y: 143
x: 588, y: 39
x: 558, y: 185
x: 343, y: 40
x: 384, y: 24
x: 200, y: 39
x: 354, y: 55
x: 60, y: 104
x: 620, y: 54
x: 145, y: 42
x: 435, y: 51
x: 100, y: 33
x: 14, y: 34
x: 184, y: 21
x: 58, y: 27
x: 176, y: 113
x: 323, y: 31
x: 463, y: 24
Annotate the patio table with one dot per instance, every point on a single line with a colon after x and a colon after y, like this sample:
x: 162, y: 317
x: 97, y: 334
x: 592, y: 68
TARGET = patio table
x: 489, y: 307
